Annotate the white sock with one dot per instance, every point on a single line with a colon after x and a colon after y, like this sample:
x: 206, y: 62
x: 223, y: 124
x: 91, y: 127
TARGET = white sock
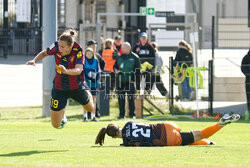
x: 85, y: 115
x: 64, y: 118
x: 92, y: 115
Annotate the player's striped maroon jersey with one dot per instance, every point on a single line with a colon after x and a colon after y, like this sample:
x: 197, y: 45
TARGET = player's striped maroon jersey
x: 64, y: 81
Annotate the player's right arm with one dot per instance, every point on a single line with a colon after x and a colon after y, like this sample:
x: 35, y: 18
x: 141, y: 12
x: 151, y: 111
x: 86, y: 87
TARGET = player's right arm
x: 38, y: 57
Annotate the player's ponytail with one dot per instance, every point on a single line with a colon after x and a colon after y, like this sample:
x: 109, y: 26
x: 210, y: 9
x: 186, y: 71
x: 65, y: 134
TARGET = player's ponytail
x: 101, y: 136
x: 73, y: 33
x: 112, y: 130
x: 68, y: 36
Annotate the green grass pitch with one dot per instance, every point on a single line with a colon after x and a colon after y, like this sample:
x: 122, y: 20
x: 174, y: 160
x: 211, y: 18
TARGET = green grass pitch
x: 27, y: 139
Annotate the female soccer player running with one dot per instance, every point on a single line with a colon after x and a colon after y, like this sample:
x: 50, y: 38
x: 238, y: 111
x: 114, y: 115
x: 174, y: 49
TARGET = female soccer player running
x: 69, y: 79
x: 161, y: 134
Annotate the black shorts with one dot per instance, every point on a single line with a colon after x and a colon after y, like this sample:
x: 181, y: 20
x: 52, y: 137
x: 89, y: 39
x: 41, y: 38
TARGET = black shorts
x: 187, y: 138
x: 59, y: 98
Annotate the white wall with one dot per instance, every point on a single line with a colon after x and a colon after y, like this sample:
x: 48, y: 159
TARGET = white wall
x: 165, y: 5
x: 232, y: 8
x: 112, y: 21
x: 71, y: 13
x: 237, y: 8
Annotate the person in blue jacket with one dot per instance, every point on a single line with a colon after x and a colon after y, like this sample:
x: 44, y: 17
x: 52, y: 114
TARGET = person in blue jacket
x: 91, y: 76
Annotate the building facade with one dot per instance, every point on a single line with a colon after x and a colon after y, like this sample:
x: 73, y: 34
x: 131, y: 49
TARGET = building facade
x: 231, y: 29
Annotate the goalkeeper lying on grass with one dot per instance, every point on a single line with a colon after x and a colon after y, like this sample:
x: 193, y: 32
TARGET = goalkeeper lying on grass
x: 161, y: 134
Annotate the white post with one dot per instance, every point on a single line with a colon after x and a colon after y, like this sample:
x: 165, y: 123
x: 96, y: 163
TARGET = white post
x: 194, y: 39
x: 49, y: 36
x: 98, y: 31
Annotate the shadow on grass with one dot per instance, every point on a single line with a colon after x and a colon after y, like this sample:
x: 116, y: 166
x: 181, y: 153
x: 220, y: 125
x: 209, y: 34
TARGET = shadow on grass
x: 104, y: 146
x: 156, y: 146
x: 75, y: 117
x: 46, y: 140
x: 211, y: 146
x: 27, y: 153
x: 80, y: 117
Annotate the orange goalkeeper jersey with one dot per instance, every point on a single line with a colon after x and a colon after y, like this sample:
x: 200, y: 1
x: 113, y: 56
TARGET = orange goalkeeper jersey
x: 166, y: 134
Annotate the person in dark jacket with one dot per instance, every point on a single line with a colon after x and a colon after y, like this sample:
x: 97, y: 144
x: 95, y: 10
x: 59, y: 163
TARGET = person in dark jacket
x: 127, y: 69
x: 118, y: 44
x: 92, y: 44
x: 146, y: 53
x: 102, y: 45
x: 245, y: 68
x: 184, y: 58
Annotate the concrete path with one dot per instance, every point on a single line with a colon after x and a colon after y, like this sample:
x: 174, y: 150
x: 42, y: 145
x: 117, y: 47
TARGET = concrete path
x: 20, y: 85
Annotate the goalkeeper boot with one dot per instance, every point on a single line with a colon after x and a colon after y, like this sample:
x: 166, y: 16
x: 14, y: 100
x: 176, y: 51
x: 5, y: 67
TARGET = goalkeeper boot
x: 226, y: 119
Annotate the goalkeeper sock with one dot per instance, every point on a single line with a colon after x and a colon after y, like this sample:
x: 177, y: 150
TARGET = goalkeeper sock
x: 209, y: 131
x: 201, y: 142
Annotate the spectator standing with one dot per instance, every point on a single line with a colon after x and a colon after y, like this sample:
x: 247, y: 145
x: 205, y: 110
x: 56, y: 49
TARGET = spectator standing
x: 92, y: 44
x: 118, y: 44
x: 102, y: 45
x: 184, y: 55
x: 146, y: 53
x: 109, y: 54
x: 127, y: 68
x: 91, y: 76
x: 245, y: 68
